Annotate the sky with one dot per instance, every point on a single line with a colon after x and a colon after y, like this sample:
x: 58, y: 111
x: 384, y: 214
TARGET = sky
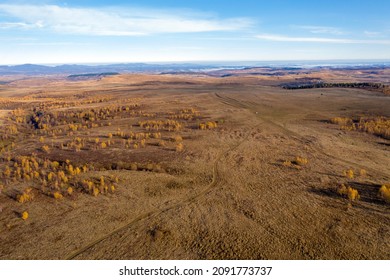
x: 56, y: 32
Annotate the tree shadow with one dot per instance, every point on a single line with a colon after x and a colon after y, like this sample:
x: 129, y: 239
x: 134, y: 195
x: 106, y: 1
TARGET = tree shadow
x: 368, y: 192
x: 384, y: 144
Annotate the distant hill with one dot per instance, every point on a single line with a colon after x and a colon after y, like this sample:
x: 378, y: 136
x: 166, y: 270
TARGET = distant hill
x: 210, y: 68
x: 74, y: 69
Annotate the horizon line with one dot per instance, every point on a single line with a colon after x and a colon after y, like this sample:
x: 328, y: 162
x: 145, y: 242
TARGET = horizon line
x: 362, y: 60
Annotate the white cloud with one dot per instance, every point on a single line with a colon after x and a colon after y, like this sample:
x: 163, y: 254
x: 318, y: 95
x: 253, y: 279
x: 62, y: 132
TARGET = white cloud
x: 114, y: 22
x: 372, y: 33
x: 282, y: 38
x: 320, y: 29
x: 21, y: 25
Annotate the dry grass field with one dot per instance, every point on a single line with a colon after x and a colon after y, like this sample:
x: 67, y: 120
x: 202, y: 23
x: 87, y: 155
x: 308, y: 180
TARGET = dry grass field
x: 193, y: 167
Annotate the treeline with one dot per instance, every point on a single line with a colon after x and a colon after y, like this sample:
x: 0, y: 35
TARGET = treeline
x: 373, y: 86
x: 89, y: 75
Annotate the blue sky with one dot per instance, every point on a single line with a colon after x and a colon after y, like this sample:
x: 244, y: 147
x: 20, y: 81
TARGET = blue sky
x: 153, y: 31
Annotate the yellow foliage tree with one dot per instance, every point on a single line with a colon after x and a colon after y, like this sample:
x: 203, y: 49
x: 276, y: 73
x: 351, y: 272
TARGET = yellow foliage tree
x: 25, y: 196
x: 349, y: 173
x: 46, y: 148
x: 57, y: 195
x: 95, y: 191
x: 24, y: 215
x: 179, y: 147
x: 301, y: 160
x: 349, y: 192
x: 384, y: 192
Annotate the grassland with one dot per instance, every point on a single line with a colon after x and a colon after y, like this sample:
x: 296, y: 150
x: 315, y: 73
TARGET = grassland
x: 192, y: 167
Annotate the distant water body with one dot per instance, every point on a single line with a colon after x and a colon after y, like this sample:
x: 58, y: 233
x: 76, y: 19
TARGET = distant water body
x: 188, y: 66
x: 300, y: 63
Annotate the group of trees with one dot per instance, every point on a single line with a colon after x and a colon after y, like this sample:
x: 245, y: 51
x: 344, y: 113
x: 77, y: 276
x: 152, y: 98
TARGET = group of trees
x: 353, y: 194
x: 157, y: 125
x: 379, y: 126
x: 208, y: 125
x: 185, y: 114
x: 48, y: 123
x: 364, y: 85
x: 48, y: 177
x: 297, y: 163
x: 94, y: 186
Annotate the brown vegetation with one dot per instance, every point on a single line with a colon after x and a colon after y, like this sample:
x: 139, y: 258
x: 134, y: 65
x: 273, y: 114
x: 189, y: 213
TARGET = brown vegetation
x: 384, y: 192
x: 192, y: 167
x: 379, y: 126
x: 351, y: 193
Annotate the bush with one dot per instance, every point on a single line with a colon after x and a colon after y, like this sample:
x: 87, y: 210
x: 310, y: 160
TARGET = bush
x: 341, y: 121
x: 363, y: 172
x: 384, y: 192
x: 179, y: 147
x: 24, y: 215
x: 95, y: 191
x: 45, y: 148
x: 349, y: 174
x: 301, y: 161
x: 25, y: 196
x: 57, y: 195
x: 349, y: 192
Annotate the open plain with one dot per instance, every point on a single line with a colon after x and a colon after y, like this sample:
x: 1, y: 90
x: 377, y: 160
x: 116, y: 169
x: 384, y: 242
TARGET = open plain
x: 195, y: 166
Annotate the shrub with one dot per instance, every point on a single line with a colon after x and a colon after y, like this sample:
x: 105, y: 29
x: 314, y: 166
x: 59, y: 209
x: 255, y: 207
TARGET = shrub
x: 349, y: 192
x: 349, y: 173
x: 301, y: 161
x: 25, y: 196
x: 179, y: 147
x: 45, y: 148
x: 57, y: 195
x: 134, y: 166
x: 208, y: 125
x: 177, y: 138
x: 363, y: 172
x: 384, y: 192
x: 341, y: 121
x: 95, y: 191
x: 24, y: 215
